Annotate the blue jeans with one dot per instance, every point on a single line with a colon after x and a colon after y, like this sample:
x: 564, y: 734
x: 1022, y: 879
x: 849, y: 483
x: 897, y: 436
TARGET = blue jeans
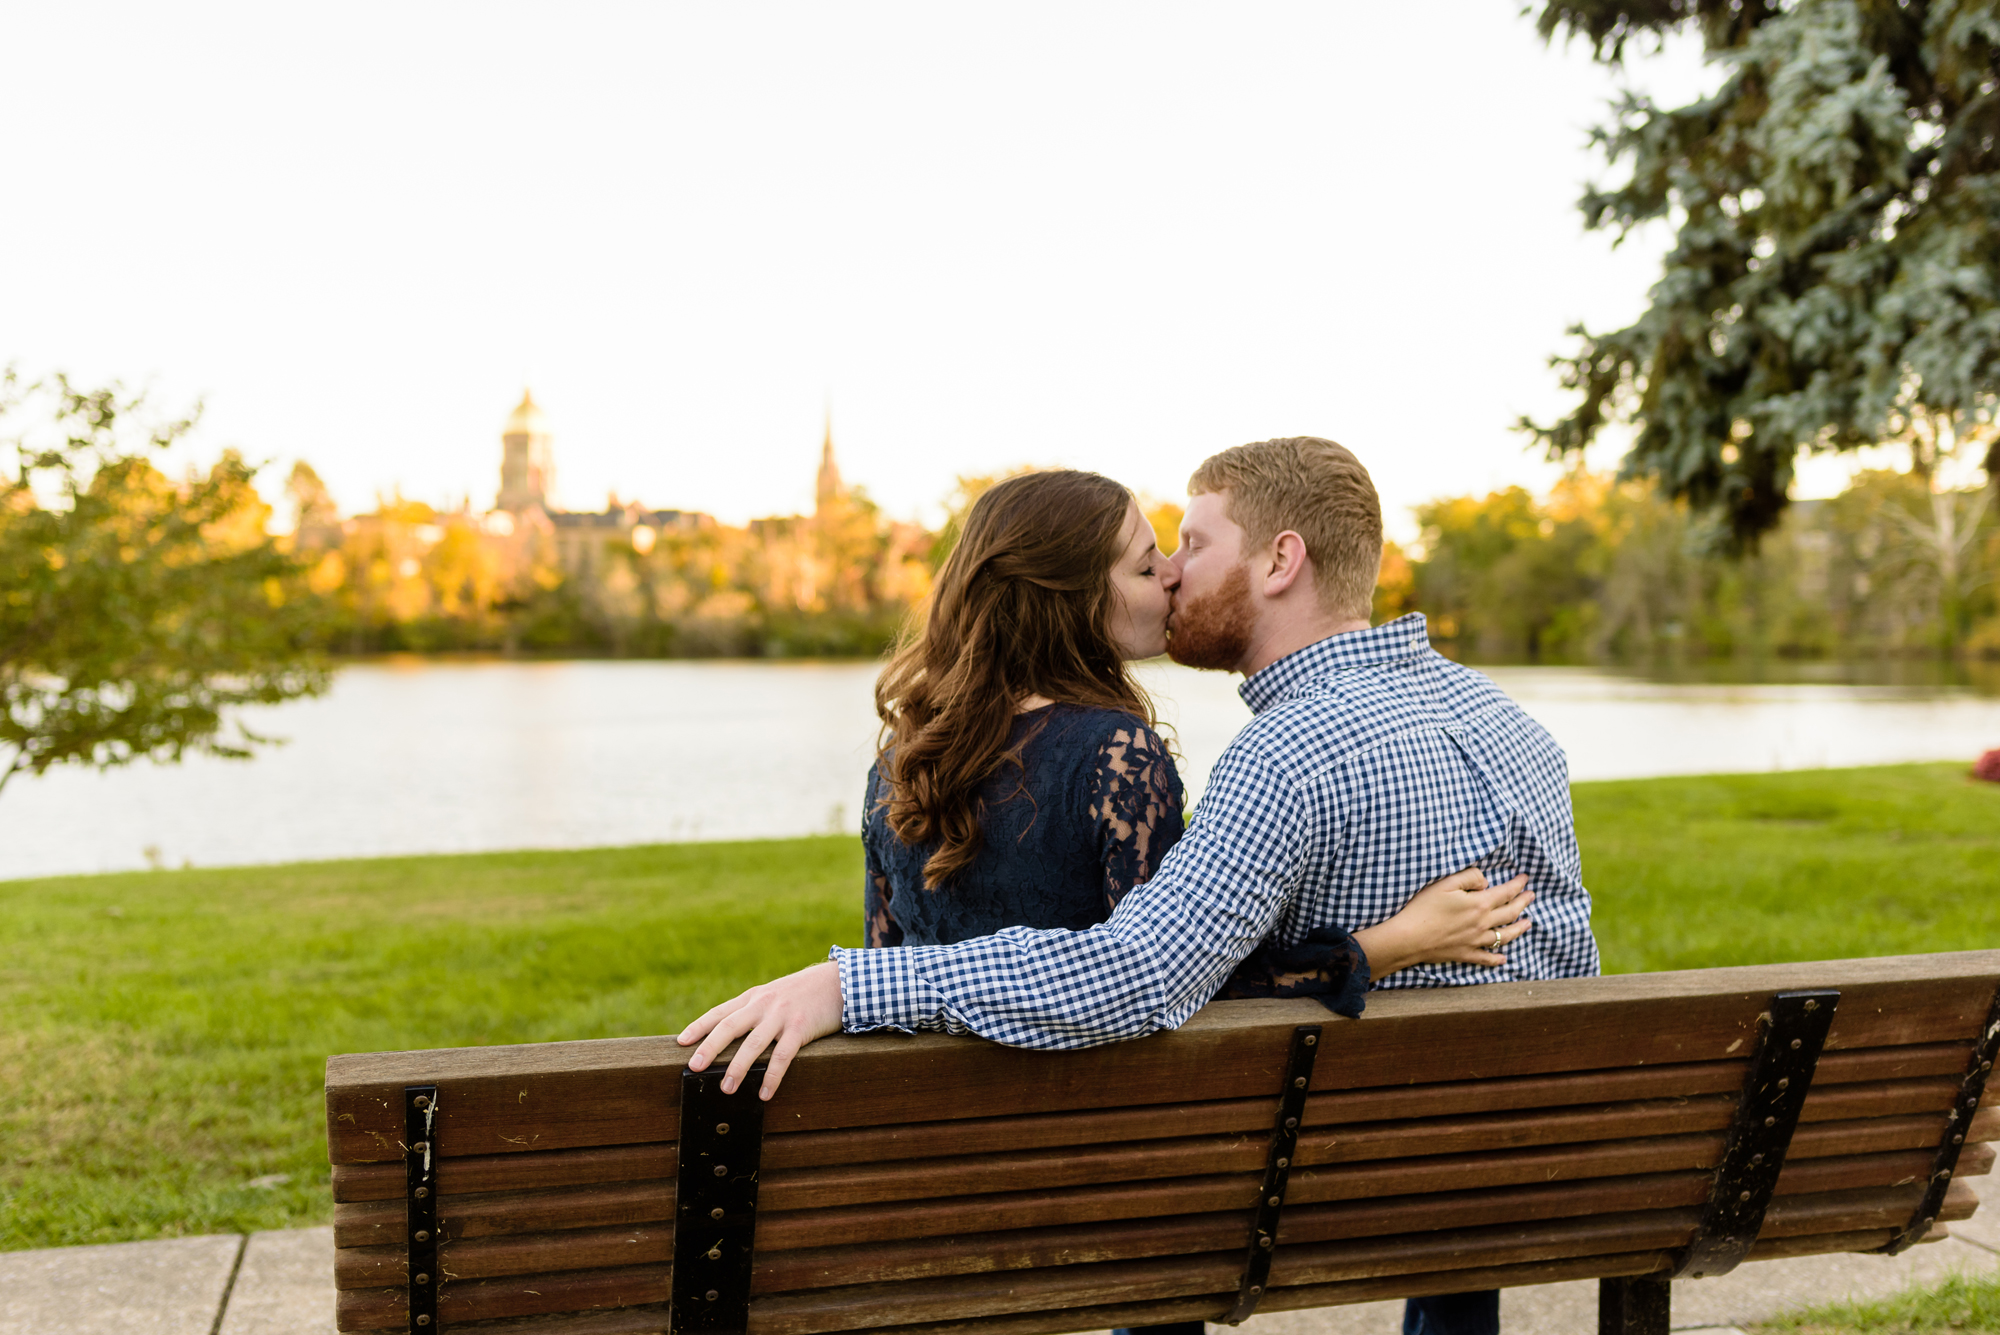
x: 1453, y: 1314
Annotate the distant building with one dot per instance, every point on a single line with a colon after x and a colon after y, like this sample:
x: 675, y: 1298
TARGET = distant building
x: 527, y: 461
x: 582, y: 537
x: 831, y: 490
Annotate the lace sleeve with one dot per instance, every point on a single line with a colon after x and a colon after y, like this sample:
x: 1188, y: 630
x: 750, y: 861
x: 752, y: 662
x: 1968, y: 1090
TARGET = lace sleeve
x: 1329, y: 966
x: 878, y: 923
x: 1137, y: 803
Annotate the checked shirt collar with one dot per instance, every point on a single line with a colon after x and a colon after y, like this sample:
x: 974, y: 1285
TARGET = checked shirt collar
x: 1391, y: 642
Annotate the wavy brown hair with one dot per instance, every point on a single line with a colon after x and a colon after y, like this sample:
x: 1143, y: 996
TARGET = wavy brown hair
x: 1022, y: 607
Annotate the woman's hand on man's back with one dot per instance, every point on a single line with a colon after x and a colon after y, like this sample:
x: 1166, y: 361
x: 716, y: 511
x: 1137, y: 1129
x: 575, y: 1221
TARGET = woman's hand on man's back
x: 1455, y: 919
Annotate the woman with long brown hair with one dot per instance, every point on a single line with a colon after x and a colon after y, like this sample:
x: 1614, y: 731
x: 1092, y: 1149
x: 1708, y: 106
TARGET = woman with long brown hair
x: 1019, y: 780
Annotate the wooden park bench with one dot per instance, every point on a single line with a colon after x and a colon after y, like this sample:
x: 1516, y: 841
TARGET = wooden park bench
x: 1266, y: 1156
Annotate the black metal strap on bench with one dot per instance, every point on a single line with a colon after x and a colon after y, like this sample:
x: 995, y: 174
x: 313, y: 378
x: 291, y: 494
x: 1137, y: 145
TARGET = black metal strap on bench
x: 715, y: 1201
x: 1790, y: 1037
x: 420, y: 1175
x: 1964, y: 1105
x: 1781, y: 1074
x: 1277, y: 1172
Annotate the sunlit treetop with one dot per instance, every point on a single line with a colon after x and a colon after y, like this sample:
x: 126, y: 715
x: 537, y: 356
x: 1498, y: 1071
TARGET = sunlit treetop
x: 1834, y: 277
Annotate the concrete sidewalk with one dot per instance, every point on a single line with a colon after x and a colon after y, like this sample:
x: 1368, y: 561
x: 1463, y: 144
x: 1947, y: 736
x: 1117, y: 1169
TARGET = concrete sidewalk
x: 282, y: 1284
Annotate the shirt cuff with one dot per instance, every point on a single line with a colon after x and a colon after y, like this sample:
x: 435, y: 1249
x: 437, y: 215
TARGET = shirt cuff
x: 880, y: 989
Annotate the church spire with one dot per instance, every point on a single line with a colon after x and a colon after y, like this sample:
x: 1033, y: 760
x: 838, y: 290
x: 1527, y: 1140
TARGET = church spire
x: 830, y: 487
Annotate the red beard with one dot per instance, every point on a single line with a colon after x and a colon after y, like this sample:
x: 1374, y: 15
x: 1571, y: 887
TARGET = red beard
x: 1214, y: 631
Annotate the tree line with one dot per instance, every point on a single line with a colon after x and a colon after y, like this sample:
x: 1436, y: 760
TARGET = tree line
x: 1604, y: 570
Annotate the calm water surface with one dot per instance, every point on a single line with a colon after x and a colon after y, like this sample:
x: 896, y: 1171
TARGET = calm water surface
x: 422, y: 758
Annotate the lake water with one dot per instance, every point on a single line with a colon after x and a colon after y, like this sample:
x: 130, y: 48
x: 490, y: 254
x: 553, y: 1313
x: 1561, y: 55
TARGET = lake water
x: 453, y: 757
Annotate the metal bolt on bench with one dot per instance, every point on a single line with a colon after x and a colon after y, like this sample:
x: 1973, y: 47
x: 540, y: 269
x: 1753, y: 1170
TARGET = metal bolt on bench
x: 420, y: 1169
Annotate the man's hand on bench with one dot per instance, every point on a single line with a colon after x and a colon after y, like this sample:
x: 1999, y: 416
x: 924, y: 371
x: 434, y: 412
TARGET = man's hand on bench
x: 784, y: 1016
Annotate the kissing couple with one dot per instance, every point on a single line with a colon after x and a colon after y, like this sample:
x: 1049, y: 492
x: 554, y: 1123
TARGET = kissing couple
x: 1383, y: 821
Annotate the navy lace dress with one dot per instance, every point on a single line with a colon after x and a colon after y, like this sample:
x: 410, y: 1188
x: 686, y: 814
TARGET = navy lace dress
x: 1088, y: 813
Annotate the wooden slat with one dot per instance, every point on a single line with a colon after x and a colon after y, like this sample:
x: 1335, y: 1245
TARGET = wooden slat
x: 528, y: 1295
x: 1888, y: 1098
x: 616, y: 1091
x: 1907, y: 1062
x: 511, y: 1172
x: 521, y: 1254
x: 619, y: 1204
x: 1031, y: 1170
x: 989, y: 1135
x: 648, y: 1319
x: 1985, y: 1124
x: 1870, y: 1135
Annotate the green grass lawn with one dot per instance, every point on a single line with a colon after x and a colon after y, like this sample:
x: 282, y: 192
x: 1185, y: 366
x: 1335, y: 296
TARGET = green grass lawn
x: 162, y: 1034
x: 1960, y: 1305
x: 1820, y: 864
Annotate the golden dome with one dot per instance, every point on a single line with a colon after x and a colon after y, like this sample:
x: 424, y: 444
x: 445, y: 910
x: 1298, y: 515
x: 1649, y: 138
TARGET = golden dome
x: 526, y: 419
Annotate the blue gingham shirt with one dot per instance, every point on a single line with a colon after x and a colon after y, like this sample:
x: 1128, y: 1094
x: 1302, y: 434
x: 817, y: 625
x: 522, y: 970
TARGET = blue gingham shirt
x: 1373, y: 766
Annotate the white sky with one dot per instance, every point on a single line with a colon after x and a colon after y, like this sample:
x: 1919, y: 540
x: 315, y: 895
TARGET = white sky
x: 1116, y: 235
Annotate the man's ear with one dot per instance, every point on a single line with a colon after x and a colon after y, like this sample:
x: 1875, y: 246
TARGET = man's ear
x: 1285, y: 562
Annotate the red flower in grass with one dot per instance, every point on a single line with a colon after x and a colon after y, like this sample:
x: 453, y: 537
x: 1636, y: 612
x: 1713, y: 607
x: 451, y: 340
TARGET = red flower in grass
x: 1988, y: 767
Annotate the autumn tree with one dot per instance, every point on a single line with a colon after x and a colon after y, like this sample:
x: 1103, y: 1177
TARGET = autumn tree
x: 1834, y: 277
x: 136, y: 612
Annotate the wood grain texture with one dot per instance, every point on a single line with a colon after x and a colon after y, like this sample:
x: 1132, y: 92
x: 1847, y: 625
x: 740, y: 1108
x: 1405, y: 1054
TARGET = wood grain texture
x: 510, y: 1172
x: 1802, y: 1226
x: 527, y: 1295
x: 1855, y: 1153
x: 1985, y: 1124
x: 515, y: 1254
x: 1213, y: 1307
x: 854, y: 1184
x: 1420, y: 1177
x: 647, y: 1319
x: 380, y: 1223
x: 622, y: 1091
x: 1028, y: 1248
x: 924, y: 1184
x: 1837, y: 1093
x: 877, y: 1306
